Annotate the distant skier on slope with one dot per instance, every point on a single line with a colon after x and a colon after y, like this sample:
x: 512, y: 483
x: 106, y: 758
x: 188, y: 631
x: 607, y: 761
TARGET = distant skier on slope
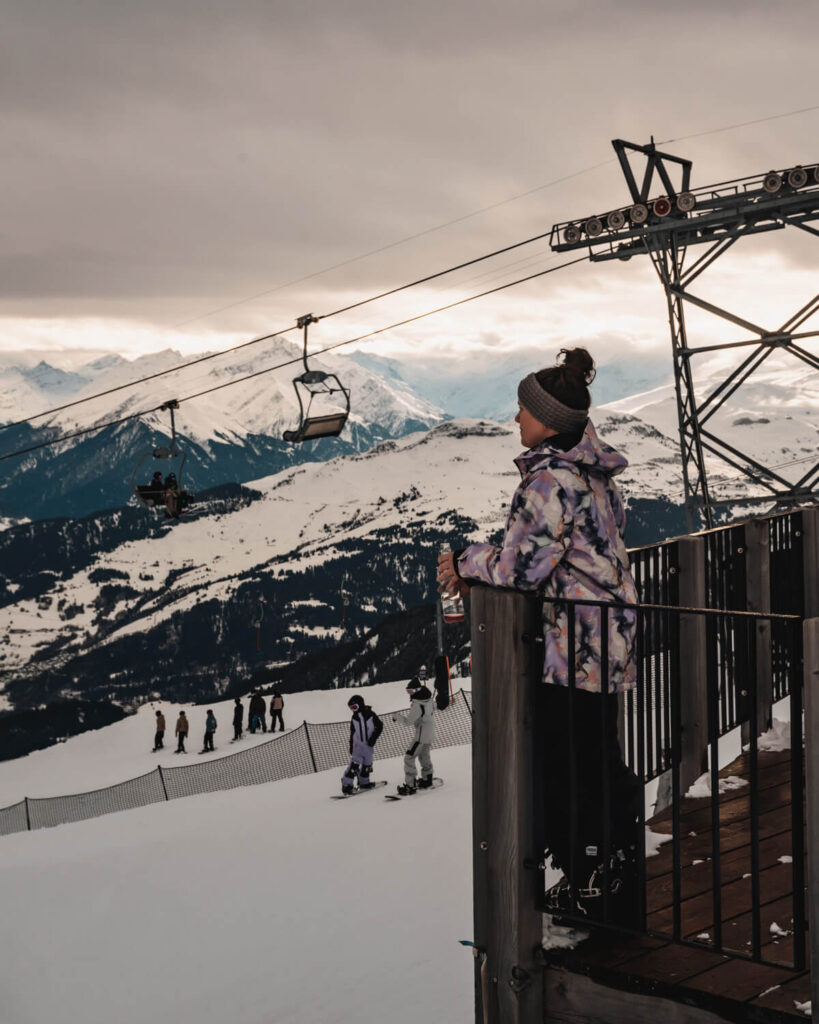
x: 419, y: 718
x: 276, y: 707
x: 210, y: 729
x: 238, y: 718
x: 159, y: 736
x: 181, y: 732
x: 365, y: 728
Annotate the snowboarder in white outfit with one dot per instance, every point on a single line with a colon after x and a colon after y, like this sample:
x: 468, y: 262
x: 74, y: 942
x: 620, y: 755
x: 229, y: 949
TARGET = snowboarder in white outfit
x: 419, y: 718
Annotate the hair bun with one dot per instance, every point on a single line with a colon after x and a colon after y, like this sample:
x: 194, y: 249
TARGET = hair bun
x: 578, y: 361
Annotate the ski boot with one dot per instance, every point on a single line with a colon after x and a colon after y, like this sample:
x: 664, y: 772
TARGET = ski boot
x: 347, y: 790
x: 619, y: 877
x: 406, y: 789
x: 560, y: 899
x: 425, y: 782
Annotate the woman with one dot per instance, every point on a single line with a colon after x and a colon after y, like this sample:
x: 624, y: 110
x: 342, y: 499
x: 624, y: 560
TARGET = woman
x: 564, y: 538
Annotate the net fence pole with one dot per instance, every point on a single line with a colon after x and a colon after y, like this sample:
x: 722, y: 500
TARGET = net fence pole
x: 309, y: 745
x: 162, y: 780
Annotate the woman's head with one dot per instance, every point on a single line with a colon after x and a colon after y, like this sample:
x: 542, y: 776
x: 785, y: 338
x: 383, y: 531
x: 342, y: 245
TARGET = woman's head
x: 556, y: 400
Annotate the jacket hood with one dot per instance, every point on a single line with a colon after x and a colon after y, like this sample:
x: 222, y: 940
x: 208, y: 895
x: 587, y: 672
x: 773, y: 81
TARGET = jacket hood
x: 590, y: 453
x: 421, y: 694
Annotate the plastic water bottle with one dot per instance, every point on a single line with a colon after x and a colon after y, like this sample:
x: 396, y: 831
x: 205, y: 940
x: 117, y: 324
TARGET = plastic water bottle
x: 452, y: 607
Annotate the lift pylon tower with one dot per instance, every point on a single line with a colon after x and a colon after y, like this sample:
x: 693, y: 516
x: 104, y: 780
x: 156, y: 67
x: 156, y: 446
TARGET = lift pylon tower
x: 717, y: 216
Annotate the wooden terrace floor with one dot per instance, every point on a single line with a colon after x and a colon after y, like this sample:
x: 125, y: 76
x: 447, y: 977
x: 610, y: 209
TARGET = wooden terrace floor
x: 733, y: 988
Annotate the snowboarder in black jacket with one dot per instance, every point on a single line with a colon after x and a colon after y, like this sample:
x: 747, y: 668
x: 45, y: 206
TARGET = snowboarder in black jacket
x: 365, y: 728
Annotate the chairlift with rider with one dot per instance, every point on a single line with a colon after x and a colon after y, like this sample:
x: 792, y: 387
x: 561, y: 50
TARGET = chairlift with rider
x: 316, y: 386
x: 163, y: 491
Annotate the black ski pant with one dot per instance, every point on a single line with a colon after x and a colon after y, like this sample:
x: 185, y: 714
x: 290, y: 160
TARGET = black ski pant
x: 276, y: 716
x: 597, y: 756
x: 158, y: 744
x: 237, y: 730
x: 208, y: 745
x: 180, y: 743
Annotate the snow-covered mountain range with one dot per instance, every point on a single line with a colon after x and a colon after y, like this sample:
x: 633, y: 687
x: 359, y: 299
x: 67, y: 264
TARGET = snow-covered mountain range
x: 231, y: 434
x: 484, y: 386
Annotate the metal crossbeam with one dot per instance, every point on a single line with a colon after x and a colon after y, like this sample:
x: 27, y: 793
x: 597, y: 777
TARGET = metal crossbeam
x: 716, y: 216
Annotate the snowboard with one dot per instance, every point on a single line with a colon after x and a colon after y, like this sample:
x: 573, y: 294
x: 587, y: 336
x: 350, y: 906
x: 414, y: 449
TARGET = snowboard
x: 436, y: 784
x: 356, y: 791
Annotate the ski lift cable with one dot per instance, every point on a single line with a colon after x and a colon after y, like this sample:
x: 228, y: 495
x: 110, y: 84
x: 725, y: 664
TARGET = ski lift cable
x: 740, y: 124
x: 275, y: 334
x: 289, y: 362
x: 390, y: 327
x: 149, y: 377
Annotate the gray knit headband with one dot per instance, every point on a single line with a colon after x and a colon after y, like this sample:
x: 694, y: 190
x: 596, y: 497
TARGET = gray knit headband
x: 547, y: 409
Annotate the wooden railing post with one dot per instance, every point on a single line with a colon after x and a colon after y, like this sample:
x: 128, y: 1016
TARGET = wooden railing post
x: 811, y: 669
x: 693, y: 702
x: 758, y: 599
x: 506, y: 671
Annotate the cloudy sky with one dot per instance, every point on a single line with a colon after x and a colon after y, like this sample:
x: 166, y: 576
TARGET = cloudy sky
x: 171, y: 168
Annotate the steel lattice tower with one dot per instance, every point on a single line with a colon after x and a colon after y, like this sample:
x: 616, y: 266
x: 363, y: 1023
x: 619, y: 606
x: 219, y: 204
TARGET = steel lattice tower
x: 717, y: 216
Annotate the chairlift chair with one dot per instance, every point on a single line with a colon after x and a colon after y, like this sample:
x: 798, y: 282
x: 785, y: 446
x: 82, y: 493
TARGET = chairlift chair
x: 310, y: 385
x: 151, y: 495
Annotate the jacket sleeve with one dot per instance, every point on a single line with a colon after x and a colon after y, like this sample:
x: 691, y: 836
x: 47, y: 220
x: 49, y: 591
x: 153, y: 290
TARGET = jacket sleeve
x: 352, y: 727
x: 378, y: 726
x: 535, y: 541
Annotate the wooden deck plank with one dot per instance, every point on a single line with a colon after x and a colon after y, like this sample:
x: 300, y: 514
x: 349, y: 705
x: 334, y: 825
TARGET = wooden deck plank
x: 577, y: 999
x: 732, y: 837
x: 697, y: 914
x: 696, y: 875
x: 733, y: 810
x: 673, y: 963
x: 778, y: 776
x: 785, y: 997
x: 744, y: 981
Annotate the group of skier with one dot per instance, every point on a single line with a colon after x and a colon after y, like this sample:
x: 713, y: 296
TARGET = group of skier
x: 366, y: 727
x: 256, y: 717
x: 257, y: 712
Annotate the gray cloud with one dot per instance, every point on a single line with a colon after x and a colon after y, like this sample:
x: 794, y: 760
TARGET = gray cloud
x: 163, y: 159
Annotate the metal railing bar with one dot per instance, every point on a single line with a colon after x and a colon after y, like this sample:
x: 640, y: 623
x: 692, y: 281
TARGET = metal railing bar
x: 607, y: 759
x: 713, y: 744
x: 797, y: 796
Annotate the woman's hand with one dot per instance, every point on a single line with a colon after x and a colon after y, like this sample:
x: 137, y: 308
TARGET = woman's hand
x: 448, y: 580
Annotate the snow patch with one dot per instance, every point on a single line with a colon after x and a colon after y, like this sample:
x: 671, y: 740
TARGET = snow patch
x: 654, y: 840
x: 556, y: 936
x: 702, y: 787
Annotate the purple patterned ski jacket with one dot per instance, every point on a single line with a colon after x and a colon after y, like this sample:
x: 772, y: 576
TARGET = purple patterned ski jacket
x: 564, y: 536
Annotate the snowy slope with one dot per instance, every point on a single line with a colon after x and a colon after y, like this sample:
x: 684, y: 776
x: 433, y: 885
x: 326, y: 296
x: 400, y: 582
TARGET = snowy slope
x: 269, y: 903
x: 119, y: 752
x: 259, y: 905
